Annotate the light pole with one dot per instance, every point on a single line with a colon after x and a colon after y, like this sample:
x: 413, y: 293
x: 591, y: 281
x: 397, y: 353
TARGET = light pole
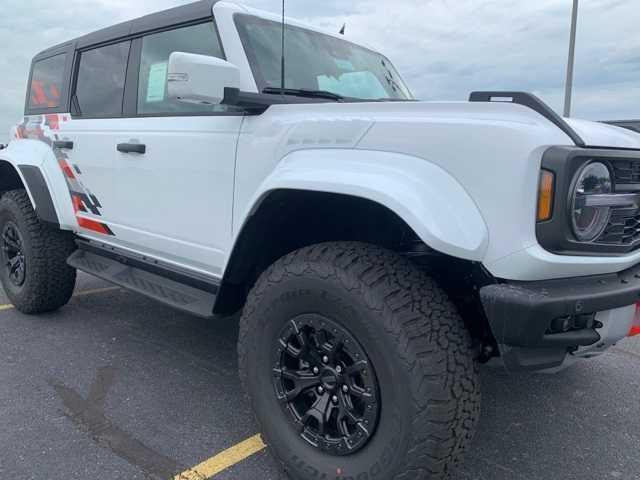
x: 572, y: 56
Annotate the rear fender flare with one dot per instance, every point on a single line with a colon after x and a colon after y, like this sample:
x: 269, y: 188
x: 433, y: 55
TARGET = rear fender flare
x: 28, y: 159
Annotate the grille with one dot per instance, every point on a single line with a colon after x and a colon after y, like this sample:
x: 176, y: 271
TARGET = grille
x: 624, y: 225
x: 626, y: 172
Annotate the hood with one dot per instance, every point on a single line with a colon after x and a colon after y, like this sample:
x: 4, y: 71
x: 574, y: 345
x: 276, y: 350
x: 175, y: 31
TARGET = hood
x: 596, y: 134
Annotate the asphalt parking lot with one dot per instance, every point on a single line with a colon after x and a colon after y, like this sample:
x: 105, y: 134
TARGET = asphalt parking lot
x: 114, y: 386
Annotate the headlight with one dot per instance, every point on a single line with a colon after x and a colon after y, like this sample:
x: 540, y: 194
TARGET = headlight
x: 589, y: 222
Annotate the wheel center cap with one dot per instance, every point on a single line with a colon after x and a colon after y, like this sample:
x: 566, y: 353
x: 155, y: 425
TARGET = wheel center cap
x: 329, y: 379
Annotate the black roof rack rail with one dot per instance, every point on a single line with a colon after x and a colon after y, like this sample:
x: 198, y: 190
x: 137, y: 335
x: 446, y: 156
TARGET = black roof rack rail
x: 534, y: 103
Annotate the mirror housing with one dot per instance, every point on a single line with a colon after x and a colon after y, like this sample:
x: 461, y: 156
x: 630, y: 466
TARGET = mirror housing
x: 200, y: 79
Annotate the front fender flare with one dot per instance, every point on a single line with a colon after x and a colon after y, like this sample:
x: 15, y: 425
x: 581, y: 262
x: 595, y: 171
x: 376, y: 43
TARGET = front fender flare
x: 423, y: 194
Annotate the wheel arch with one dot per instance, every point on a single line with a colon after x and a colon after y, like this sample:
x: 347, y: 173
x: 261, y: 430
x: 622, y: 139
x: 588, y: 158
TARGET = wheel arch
x: 289, y: 219
x: 32, y: 180
x: 391, y: 200
x: 10, y: 178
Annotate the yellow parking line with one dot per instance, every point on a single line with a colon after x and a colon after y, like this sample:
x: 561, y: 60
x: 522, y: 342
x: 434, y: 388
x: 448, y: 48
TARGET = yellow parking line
x: 224, y: 460
x: 82, y: 293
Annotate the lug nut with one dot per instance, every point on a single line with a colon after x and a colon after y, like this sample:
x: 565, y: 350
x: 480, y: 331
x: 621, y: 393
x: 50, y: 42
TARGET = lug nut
x: 316, y: 370
x: 325, y: 359
x: 345, y: 388
x: 320, y: 390
x: 334, y: 399
x: 339, y: 369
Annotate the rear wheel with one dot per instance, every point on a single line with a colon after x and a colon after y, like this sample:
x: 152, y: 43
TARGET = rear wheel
x: 33, y: 269
x: 357, y: 366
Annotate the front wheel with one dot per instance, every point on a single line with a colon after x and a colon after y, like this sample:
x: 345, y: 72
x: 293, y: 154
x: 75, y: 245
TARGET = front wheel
x: 33, y: 269
x: 357, y: 366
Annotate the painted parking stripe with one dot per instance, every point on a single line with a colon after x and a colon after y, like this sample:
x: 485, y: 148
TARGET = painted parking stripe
x: 81, y: 293
x: 230, y: 457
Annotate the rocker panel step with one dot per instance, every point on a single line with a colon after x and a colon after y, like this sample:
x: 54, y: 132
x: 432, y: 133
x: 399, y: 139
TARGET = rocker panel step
x: 178, y: 295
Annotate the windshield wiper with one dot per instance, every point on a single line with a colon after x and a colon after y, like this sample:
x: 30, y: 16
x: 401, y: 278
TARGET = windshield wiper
x: 303, y: 92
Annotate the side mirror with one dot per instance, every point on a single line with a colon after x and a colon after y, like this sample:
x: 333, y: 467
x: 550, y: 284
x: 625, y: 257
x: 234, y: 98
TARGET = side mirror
x: 199, y: 78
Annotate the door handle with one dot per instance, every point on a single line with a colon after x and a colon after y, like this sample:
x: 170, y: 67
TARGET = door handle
x: 66, y: 144
x: 132, y: 148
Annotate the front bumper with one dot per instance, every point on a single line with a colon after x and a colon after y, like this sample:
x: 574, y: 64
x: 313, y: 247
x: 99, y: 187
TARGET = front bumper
x: 521, y: 315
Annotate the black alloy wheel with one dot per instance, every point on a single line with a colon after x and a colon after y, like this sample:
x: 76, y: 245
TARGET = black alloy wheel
x: 326, y: 384
x: 13, y: 254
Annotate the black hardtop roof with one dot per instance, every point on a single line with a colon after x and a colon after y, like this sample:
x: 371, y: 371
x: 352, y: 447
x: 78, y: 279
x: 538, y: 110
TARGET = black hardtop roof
x: 155, y: 21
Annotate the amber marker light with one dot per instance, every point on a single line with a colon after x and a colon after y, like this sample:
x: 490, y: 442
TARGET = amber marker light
x: 545, y: 195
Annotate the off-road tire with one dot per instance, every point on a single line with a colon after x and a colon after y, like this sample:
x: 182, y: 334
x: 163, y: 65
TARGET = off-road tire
x: 417, y: 343
x: 49, y: 281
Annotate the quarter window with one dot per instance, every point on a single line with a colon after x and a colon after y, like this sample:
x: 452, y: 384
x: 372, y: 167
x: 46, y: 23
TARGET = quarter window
x: 100, y: 82
x: 201, y: 39
x: 46, y: 83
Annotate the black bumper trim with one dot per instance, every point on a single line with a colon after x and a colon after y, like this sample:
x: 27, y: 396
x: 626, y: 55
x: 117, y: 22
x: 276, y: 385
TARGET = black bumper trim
x: 520, y: 313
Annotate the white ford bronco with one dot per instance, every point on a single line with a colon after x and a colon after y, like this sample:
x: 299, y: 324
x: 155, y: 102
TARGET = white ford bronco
x: 379, y: 248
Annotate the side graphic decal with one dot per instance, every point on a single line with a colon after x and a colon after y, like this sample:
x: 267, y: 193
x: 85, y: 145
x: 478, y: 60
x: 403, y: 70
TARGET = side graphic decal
x: 43, y: 128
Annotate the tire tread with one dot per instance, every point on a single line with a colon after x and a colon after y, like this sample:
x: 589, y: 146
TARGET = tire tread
x: 432, y: 343
x: 51, y: 281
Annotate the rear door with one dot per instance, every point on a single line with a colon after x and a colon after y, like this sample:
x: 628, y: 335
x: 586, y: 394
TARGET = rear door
x: 173, y: 179
x: 96, y: 119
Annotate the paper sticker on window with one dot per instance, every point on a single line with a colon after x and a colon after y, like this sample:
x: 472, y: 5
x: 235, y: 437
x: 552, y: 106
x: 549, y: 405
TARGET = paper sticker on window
x: 157, y: 82
x: 344, y: 64
x: 354, y: 84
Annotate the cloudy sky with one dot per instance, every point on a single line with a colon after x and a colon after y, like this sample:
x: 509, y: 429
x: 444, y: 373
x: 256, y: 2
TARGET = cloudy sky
x: 444, y: 48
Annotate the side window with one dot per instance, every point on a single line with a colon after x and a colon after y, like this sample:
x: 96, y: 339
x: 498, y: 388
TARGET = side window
x: 156, y: 48
x: 46, y: 82
x: 100, y: 82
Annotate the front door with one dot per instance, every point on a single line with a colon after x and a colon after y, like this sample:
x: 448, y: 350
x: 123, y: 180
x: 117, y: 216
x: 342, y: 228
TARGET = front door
x: 173, y: 171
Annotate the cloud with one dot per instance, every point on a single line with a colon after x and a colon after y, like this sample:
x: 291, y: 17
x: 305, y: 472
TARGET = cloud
x: 444, y: 48
x: 30, y: 26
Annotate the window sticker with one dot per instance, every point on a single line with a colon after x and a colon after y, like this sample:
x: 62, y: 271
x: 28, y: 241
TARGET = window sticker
x: 157, y: 82
x: 353, y: 84
x: 344, y: 64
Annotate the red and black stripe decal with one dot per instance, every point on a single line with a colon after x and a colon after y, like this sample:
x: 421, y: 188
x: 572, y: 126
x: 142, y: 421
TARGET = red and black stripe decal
x: 82, y: 200
x: 94, y: 226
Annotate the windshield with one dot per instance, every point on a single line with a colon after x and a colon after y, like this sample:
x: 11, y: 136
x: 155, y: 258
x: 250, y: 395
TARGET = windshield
x: 315, y: 61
